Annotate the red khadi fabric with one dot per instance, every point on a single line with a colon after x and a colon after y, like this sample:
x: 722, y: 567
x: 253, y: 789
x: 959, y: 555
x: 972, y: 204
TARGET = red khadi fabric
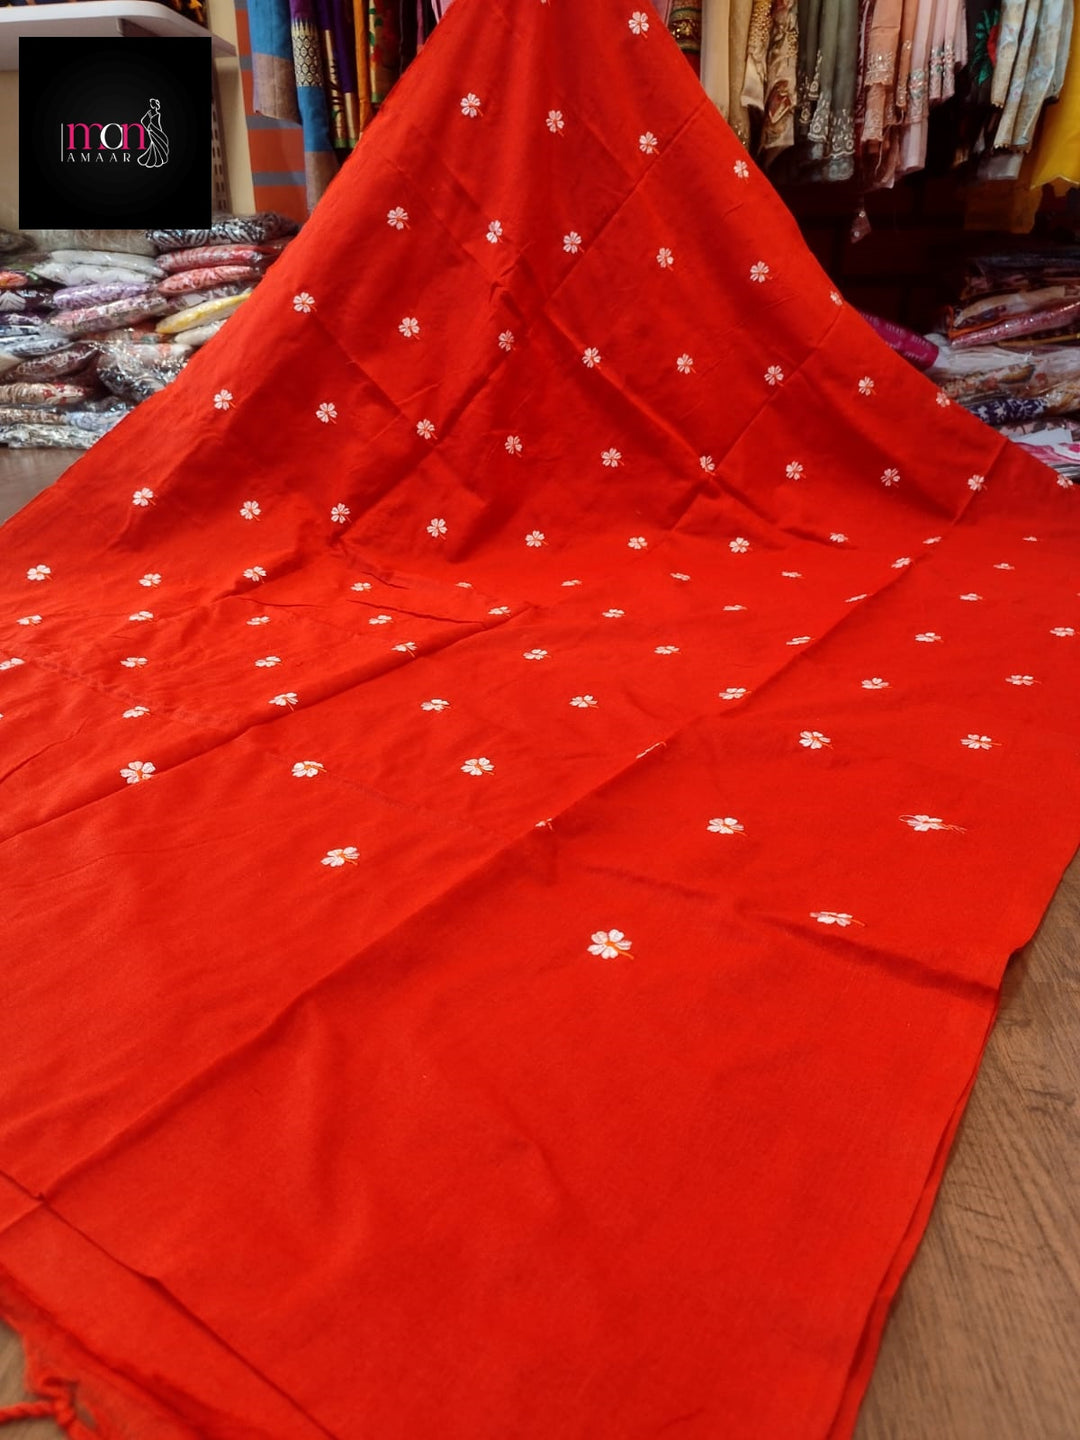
x: 600, y: 593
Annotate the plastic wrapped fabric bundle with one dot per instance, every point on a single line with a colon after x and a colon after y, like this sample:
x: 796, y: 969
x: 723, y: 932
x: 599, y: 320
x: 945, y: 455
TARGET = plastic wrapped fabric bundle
x: 205, y: 279
x: 200, y: 314
x: 60, y: 362
x: 216, y: 292
x: 915, y: 349
x: 229, y: 230
x: 30, y: 298
x: 199, y: 335
x: 204, y: 255
x: 78, y: 272
x: 96, y: 318
x: 98, y: 421
x: 142, y: 264
x: 40, y: 393
x: 12, y: 241
x: 77, y: 297
x: 53, y: 437
x: 135, y: 372
x: 31, y: 415
x: 12, y: 279
x: 122, y: 242
x: 40, y: 339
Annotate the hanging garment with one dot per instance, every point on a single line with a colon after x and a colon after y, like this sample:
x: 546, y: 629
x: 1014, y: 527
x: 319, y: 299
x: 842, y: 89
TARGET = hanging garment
x: 1057, y: 153
x: 716, y: 53
x: 510, y: 835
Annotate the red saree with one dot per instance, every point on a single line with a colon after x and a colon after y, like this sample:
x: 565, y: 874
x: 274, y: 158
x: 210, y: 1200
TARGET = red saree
x: 526, y: 767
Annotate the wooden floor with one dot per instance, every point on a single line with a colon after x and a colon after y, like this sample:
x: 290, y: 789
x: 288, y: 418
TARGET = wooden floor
x: 984, y: 1340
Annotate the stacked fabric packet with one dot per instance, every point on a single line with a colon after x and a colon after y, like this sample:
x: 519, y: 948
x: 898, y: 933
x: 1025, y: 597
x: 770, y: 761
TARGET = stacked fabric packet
x: 93, y: 322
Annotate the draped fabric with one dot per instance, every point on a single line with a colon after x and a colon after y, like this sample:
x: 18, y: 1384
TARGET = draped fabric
x: 523, y: 769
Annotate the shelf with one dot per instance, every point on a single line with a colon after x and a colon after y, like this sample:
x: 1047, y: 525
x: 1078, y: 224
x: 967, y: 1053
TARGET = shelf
x: 94, y: 19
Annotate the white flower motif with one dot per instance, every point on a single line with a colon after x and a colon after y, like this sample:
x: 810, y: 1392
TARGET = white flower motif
x: 535, y: 655
x: 734, y: 607
x: 340, y: 514
x: 425, y: 429
x: 794, y: 470
x: 900, y: 563
x: 268, y: 662
x: 836, y: 297
x: 679, y: 575
x: 30, y: 620
x: 223, y: 400
x: 943, y: 399
x: 572, y: 242
x: 639, y: 23
x: 738, y: 546
x: 923, y: 823
x: 307, y: 769
x: 612, y: 459
x: 480, y: 766
x: 791, y: 574
x: 1033, y: 538
x: 800, y: 640
x: 976, y: 482
x: 346, y: 855
x: 875, y: 684
x: 685, y: 364
x: 933, y: 540
x: 725, y: 825
x: 1063, y: 631
x: 407, y: 647
x: 506, y: 340
x: 361, y: 585
x: 664, y: 258
x: 759, y: 272
x: 136, y: 711
x: 381, y: 620
x: 813, y: 740
x: 136, y: 770
x: 890, y: 477
x: 326, y: 412
x: 409, y: 327
x: 584, y: 702
x: 513, y: 444
x: 1004, y: 565
x: 251, y: 509
x: 610, y: 944
x: 591, y: 358
x: 555, y: 122
x: 255, y: 573
x: 1064, y: 482
x: 142, y: 497
x: 569, y: 584
x: 436, y: 705
x: 648, y: 143
x: 494, y: 232
x: 39, y: 572
x: 286, y: 700
x: 12, y: 664
x: 303, y: 303
x: 833, y: 917
x: 134, y: 662
x: 470, y: 105
x: 614, y: 614
x: 666, y: 650
x: 141, y: 615
x: 638, y: 542
x: 928, y: 637
x: 866, y: 385
x: 978, y: 742
x: 258, y: 620
x: 742, y: 170
x: 707, y: 463
x: 397, y: 218
x: 1020, y: 679
x: 838, y: 537
x: 463, y: 584
x: 535, y: 539
x: 148, y: 582
x: 436, y: 528
x: 733, y: 692
x: 774, y: 375
x: 854, y: 599
x: 971, y: 595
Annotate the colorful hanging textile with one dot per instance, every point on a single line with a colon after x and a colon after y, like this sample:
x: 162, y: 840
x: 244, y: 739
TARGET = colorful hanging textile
x: 514, y: 815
